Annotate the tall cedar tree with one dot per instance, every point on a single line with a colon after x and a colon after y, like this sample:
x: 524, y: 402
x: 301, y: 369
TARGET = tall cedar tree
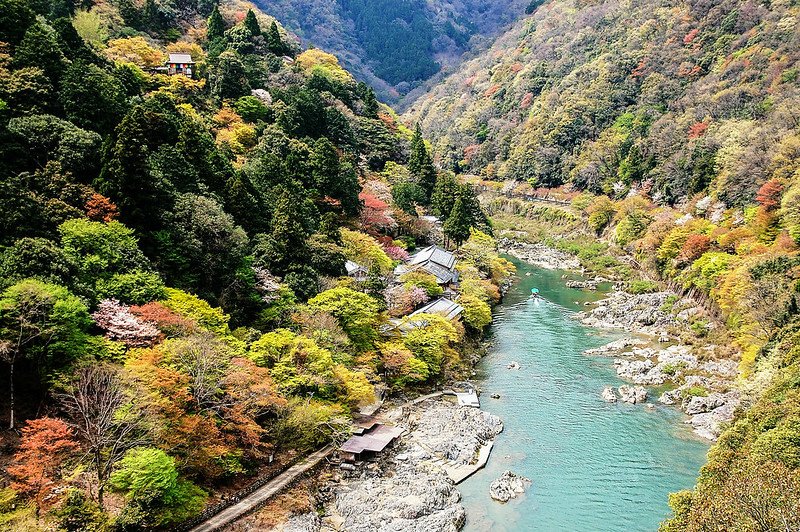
x: 251, y: 23
x: 444, y: 195
x: 275, y: 41
x: 465, y: 214
x: 216, y: 26
x: 420, y: 164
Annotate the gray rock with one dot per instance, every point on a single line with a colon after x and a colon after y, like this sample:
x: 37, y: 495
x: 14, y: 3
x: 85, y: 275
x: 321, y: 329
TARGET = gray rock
x: 608, y: 395
x: 308, y: 522
x: 671, y: 397
x: 508, y: 486
x: 539, y: 255
x: 615, y: 347
x: 632, y: 394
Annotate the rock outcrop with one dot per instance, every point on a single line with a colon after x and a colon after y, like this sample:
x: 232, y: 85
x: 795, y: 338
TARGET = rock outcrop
x: 410, y: 490
x: 642, y: 312
x: 539, y: 255
x: 632, y: 394
x: 508, y: 486
x: 609, y: 395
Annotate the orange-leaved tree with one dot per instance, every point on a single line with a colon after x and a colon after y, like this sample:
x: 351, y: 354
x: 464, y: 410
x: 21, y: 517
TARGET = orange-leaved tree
x: 37, y: 463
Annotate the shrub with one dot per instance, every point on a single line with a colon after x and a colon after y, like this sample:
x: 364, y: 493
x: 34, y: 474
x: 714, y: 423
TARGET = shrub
x: 642, y: 287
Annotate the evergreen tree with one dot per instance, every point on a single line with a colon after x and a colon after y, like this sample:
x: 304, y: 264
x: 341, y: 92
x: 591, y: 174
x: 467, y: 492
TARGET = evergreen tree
x: 444, y: 195
x: 15, y: 17
x: 229, y: 77
x: 39, y: 48
x: 276, y: 45
x: 465, y: 214
x: 216, y: 26
x: 370, y: 104
x: 92, y: 98
x: 458, y: 224
x: 251, y: 23
x: 420, y: 164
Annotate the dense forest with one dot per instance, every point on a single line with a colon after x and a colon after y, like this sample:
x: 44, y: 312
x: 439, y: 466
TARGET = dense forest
x: 175, y: 313
x: 395, y: 45
x: 670, y: 131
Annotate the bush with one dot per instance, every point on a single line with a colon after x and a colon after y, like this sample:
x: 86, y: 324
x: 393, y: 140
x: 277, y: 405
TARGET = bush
x: 642, y: 287
x: 477, y: 313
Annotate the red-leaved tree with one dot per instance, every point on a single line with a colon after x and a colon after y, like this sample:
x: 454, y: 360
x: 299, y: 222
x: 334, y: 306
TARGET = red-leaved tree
x: 769, y: 195
x: 45, y: 443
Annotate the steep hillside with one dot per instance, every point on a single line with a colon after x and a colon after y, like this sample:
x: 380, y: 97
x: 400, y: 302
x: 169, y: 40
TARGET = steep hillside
x: 679, y: 95
x: 392, y: 45
x: 176, y: 316
x: 671, y: 130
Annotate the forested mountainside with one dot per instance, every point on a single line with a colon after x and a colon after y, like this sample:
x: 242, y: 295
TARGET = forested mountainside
x: 394, y: 45
x: 687, y: 94
x: 670, y: 130
x: 181, y: 188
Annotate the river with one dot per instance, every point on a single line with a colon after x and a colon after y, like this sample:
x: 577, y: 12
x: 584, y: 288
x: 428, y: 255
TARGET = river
x: 595, y: 466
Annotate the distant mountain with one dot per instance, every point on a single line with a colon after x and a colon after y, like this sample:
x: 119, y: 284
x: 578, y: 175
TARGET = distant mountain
x: 683, y: 96
x: 395, y: 45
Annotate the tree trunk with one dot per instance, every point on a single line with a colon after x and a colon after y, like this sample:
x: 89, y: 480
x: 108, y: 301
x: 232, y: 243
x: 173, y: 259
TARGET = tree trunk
x: 11, y: 395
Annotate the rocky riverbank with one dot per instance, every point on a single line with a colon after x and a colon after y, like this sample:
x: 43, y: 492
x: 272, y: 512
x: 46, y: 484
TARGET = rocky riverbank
x: 700, y: 386
x: 538, y: 255
x: 408, y: 488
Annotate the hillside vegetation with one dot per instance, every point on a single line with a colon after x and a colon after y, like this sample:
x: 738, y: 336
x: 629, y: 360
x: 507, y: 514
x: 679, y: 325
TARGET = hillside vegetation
x: 672, y: 128
x: 174, y: 306
x: 395, y: 45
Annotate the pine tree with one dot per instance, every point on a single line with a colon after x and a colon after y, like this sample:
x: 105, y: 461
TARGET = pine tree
x: 444, y: 195
x: 39, y: 48
x: 276, y: 45
x: 458, y: 224
x: 251, y: 23
x: 420, y: 164
x: 465, y: 214
x: 370, y: 104
x: 216, y: 26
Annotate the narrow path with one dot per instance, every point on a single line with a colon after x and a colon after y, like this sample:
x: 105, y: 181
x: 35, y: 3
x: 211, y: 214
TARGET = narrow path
x: 263, y: 494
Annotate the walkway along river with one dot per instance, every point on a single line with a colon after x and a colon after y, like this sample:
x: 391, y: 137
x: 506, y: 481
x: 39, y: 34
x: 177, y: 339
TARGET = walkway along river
x: 594, y: 465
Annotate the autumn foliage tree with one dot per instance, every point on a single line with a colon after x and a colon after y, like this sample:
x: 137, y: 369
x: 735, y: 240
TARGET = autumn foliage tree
x: 38, y: 461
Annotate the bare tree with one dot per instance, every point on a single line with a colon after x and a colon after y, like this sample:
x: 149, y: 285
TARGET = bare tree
x: 205, y: 360
x: 105, y: 415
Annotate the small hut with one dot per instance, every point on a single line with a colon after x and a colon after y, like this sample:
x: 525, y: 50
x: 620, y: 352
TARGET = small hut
x: 180, y: 64
x: 369, y: 443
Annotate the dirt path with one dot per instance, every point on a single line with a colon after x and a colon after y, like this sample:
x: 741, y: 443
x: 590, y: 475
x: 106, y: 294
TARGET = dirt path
x: 263, y: 494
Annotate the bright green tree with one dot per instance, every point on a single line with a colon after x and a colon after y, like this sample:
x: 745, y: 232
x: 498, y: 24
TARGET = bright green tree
x: 356, y: 312
x: 150, y: 481
x: 43, y: 323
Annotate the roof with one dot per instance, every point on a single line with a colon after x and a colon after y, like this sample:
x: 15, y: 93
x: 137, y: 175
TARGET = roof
x: 436, y: 255
x: 443, y: 306
x: 180, y: 58
x: 375, y: 440
x: 353, y: 267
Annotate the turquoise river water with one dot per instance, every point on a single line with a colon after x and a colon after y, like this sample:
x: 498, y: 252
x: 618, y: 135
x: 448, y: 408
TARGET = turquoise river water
x: 595, y: 466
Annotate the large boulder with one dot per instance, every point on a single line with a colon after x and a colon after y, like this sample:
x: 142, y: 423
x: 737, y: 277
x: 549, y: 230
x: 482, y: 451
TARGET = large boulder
x: 632, y: 394
x: 608, y: 395
x: 508, y: 486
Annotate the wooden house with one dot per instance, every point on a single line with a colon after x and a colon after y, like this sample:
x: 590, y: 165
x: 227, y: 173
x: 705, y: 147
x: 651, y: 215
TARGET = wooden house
x: 180, y: 64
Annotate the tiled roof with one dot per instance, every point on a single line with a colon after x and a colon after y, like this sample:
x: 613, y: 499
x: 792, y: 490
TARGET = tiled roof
x: 436, y: 255
x: 443, y: 306
x: 180, y: 58
x: 375, y: 440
